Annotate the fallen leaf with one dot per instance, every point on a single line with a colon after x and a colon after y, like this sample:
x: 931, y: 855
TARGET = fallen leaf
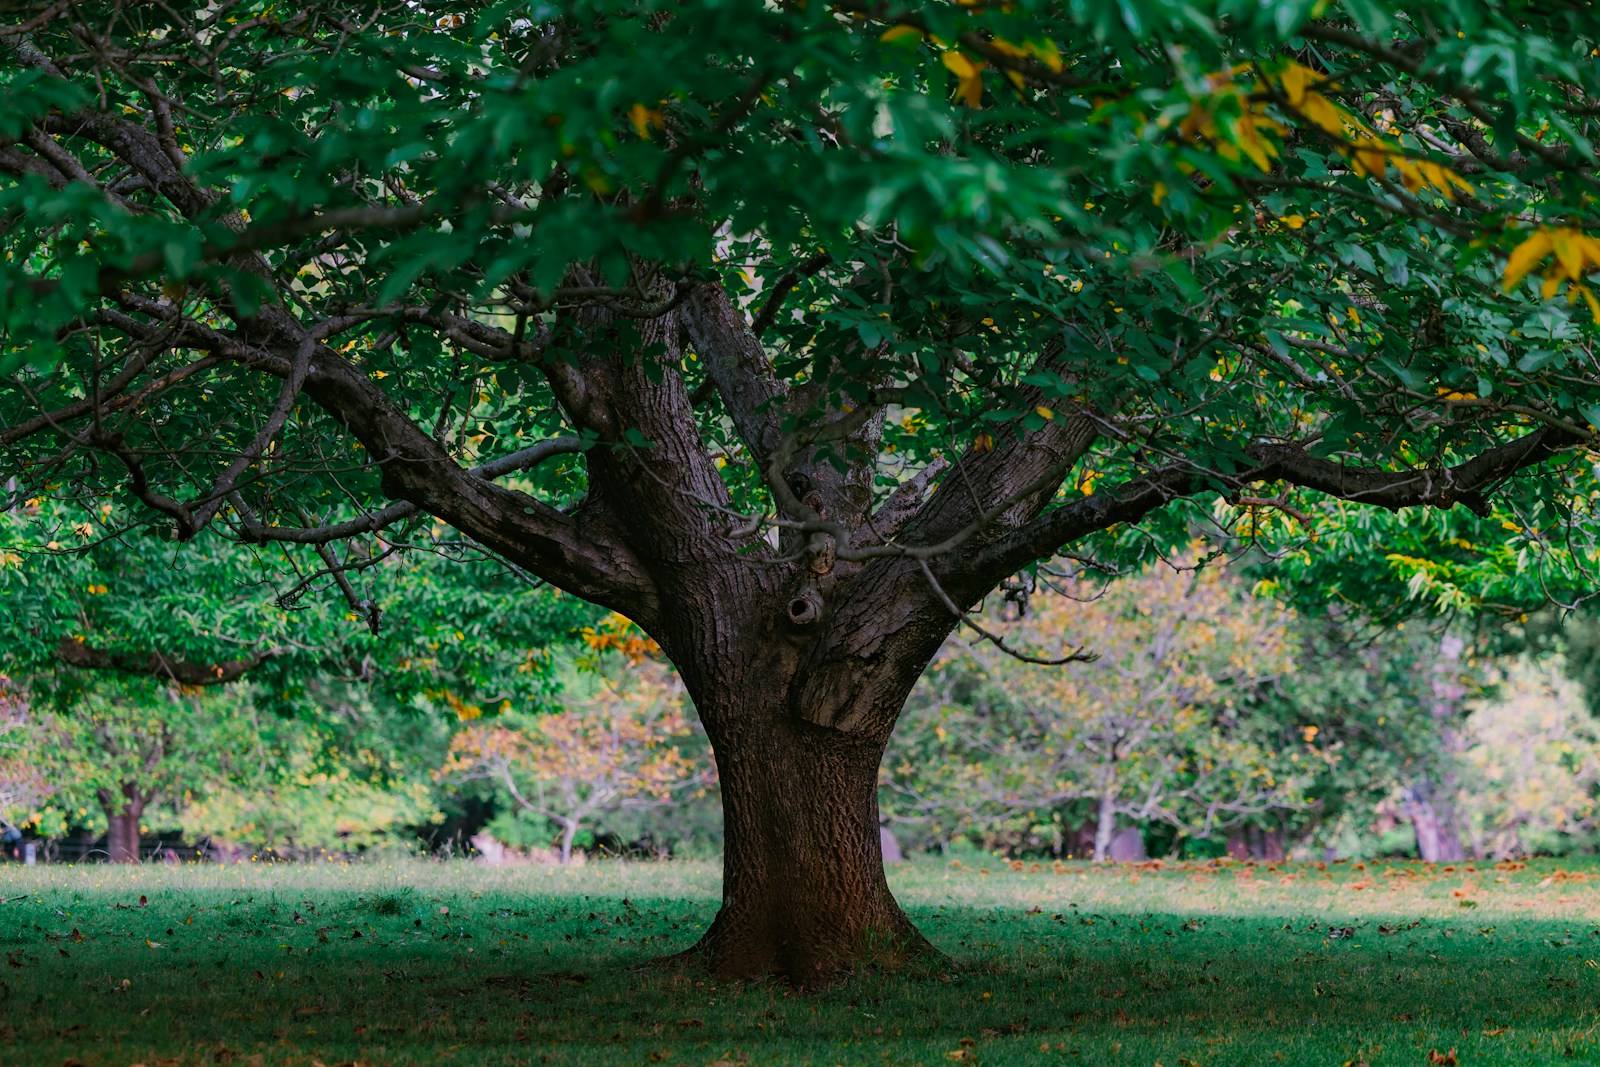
x: 1442, y: 1059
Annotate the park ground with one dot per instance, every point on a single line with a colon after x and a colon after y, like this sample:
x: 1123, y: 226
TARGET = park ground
x: 1204, y: 963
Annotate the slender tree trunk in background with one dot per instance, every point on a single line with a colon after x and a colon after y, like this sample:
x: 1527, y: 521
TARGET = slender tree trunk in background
x: 1431, y: 800
x: 1266, y: 843
x: 569, y: 830
x: 1438, y: 840
x: 1080, y: 840
x: 1105, y: 827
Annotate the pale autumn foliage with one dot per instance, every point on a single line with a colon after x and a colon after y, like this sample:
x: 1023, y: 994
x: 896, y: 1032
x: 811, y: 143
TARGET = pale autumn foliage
x: 1536, y: 754
x: 616, y: 751
x: 22, y: 787
x: 1147, y: 731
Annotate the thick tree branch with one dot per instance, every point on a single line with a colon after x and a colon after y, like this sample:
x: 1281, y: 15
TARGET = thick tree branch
x: 1466, y: 483
x: 738, y: 365
x: 154, y: 664
x: 254, y: 532
x: 569, y: 550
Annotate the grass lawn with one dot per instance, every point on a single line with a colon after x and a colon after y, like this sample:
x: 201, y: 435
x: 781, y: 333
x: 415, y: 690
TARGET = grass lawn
x: 421, y: 963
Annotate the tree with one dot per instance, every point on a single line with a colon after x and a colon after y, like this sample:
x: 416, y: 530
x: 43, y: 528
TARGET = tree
x: 617, y: 750
x: 86, y: 591
x: 1535, y: 751
x: 125, y: 747
x: 22, y: 787
x: 1150, y: 730
x: 934, y: 291
x: 215, y: 763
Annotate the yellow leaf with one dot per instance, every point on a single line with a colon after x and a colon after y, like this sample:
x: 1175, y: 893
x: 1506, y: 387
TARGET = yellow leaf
x: 1525, y: 257
x: 1294, y: 82
x: 1294, y: 222
x: 1046, y: 52
x: 643, y: 118
x: 1588, y: 298
x: 984, y: 442
x: 1044, y: 412
x: 1552, y: 282
x: 896, y: 33
x: 1443, y: 179
x: 1320, y: 110
x: 1569, y: 252
x: 1252, y: 143
x: 1590, y: 247
x: 969, y: 75
x: 1158, y: 193
x: 1410, y: 173
x: 1370, y: 158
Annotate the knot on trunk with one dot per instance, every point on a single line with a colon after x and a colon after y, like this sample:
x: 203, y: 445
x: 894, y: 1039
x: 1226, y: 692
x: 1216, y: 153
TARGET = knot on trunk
x: 805, y: 607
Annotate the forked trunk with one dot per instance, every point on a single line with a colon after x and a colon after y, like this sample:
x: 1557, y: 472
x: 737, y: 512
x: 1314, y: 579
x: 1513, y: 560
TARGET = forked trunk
x: 122, y: 836
x: 803, y: 894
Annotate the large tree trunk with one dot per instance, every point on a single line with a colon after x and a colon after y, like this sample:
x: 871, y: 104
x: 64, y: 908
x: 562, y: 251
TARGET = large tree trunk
x: 122, y: 836
x: 804, y: 893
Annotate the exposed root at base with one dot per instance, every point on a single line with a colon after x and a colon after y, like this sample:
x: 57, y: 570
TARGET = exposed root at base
x: 906, y: 953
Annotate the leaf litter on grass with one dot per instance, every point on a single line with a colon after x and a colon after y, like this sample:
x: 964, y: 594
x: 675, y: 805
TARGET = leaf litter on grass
x: 1120, y: 964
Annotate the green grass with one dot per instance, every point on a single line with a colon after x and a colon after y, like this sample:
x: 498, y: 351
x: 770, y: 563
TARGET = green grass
x: 420, y: 963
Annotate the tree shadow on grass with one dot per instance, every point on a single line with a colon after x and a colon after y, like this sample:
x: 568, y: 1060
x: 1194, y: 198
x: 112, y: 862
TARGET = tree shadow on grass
x: 553, y: 983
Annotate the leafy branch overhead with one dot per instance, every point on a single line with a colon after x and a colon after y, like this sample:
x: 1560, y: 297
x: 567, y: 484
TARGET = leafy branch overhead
x: 1251, y: 227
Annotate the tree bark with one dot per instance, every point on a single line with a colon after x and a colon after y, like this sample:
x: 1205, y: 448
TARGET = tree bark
x: 569, y: 830
x: 804, y: 893
x: 122, y: 836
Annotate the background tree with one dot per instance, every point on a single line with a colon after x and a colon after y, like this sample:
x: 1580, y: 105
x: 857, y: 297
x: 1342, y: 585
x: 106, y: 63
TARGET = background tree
x: 123, y: 747
x: 22, y: 787
x: 616, y: 748
x: 903, y: 282
x: 89, y: 590
x: 1149, y: 730
x: 346, y: 693
x: 1534, y: 756
x: 347, y: 771
x: 1360, y: 716
x: 135, y: 754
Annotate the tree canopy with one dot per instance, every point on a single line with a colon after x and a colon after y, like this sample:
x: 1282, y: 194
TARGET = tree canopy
x: 1256, y: 243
